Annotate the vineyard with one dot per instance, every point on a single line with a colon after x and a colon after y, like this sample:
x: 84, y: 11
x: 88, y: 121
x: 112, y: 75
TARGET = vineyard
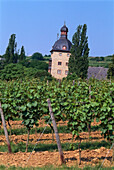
x: 84, y: 114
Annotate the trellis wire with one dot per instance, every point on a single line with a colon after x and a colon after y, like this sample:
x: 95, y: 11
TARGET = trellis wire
x: 106, y: 156
x: 38, y: 140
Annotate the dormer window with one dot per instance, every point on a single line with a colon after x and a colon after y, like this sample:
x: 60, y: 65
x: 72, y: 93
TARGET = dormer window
x: 62, y: 44
x: 64, y: 47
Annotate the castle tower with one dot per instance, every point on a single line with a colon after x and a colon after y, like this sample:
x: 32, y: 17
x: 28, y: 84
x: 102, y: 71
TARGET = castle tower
x: 60, y: 53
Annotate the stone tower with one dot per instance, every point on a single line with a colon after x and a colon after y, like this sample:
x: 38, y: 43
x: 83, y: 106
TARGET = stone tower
x: 60, y: 53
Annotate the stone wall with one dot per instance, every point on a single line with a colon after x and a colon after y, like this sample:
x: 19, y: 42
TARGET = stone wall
x: 59, y: 70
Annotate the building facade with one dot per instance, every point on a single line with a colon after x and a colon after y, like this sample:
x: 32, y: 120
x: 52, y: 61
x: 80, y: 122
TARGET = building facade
x: 60, y: 53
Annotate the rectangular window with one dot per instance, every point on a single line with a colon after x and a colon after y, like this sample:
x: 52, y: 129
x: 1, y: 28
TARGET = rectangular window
x: 59, y: 63
x: 58, y: 71
x: 66, y: 72
x: 68, y: 55
x: 66, y: 63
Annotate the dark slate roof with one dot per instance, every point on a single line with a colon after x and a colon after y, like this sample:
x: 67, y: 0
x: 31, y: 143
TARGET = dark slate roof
x: 63, y: 41
x: 64, y: 28
x: 97, y: 72
x: 58, y: 46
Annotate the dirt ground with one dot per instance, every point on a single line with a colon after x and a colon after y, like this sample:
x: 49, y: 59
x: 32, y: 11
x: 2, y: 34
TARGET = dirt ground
x: 47, y: 138
x: 39, y: 159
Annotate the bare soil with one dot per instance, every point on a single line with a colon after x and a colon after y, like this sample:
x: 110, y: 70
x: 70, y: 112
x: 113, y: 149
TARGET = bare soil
x: 47, y: 138
x: 39, y: 159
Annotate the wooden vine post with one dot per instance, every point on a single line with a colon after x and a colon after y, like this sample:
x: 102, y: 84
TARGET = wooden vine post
x: 56, y: 132
x: 5, y: 129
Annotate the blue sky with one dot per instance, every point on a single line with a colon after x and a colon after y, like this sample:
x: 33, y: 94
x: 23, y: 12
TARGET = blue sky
x: 37, y: 22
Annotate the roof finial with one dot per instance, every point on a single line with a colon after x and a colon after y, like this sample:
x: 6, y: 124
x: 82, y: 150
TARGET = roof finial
x: 64, y: 23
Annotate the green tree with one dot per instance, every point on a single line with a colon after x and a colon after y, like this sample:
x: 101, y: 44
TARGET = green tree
x: 40, y: 65
x: 2, y: 62
x: 11, y: 55
x: 110, y: 73
x: 22, y: 54
x: 48, y: 56
x: 37, y: 56
x: 15, y: 71
x: 78, y: 61
x: 102, y: 58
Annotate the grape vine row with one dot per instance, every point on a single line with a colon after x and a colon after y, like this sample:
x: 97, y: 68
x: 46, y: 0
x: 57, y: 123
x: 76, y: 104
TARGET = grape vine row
x: 79, y: 102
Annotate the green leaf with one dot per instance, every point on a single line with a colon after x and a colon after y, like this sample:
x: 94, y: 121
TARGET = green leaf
x: 18, y: 95
x: 32, y: 121
x: 97, y: 120
x: 29, y: 105
x: 23, y: 108
x: 27, y: 122
x: 110, y: 127
x: 34, y: 103
x: 30, y: 97
x: 4, y: 106
x: 31, y: 91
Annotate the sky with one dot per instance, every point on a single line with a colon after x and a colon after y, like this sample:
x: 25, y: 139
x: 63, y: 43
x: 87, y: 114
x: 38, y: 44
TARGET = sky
x: 37, y: 22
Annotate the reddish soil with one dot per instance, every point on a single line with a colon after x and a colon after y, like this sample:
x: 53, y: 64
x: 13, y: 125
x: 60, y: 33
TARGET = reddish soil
x: 47, y: 138
x: 39, y: 159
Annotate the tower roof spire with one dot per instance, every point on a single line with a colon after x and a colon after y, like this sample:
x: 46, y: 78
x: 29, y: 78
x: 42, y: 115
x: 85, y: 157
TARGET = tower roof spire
x: 62, y: 44
x: 64, y: 28
x: 64, y: 23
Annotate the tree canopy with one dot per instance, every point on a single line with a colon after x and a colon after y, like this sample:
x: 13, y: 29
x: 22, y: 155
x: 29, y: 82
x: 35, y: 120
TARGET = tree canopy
x: 14, y: 71
x: 11, y: 54
x: 15, y: 66
x: 37, y: 56
x: 111, y: 69
x: 78, y: 61
x: 22, y: 54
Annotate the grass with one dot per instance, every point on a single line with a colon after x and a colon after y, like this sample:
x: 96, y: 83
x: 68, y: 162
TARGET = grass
x: 105, y: 63
x: 2, y: 167
x: 53, y: 147
x: 61, y: 129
